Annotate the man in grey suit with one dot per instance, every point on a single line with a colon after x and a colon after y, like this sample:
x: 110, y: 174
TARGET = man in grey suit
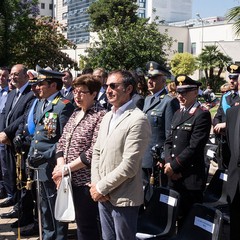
x: 159, y: 108
x: 116, y: 181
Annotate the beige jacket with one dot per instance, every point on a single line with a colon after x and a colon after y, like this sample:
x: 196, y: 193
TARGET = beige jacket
x: 117, y: 157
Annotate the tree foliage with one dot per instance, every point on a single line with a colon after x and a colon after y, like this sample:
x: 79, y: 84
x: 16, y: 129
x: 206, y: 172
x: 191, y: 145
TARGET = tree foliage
x: 30, y: 40
x: 123, y: 39
x: 234, y: 14
x: 107, y: 13
x: 212, y: 61
x: 183, y: 63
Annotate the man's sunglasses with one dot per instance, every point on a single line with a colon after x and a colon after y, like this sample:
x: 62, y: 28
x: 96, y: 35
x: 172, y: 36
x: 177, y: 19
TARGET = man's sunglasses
x: 111, y: 85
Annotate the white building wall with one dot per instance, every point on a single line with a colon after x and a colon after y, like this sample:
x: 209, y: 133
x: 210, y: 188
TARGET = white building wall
x: 221, y: 34
x: 169, y: 10
x: 179, y: 34
x: 46, y: 11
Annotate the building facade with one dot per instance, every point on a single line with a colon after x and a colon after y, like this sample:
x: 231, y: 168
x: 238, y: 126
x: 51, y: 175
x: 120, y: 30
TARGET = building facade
x: 190, y: 35
x: 165, y: 10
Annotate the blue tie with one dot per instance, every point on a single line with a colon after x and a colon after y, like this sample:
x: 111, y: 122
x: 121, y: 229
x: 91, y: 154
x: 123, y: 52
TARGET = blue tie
x: 30, y: 120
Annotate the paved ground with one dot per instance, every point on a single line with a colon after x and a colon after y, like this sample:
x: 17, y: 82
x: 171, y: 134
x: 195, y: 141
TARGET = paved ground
x: 8, y: 233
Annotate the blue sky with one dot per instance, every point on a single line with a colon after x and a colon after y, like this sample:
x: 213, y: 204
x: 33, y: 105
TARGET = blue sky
x: 210, y: 8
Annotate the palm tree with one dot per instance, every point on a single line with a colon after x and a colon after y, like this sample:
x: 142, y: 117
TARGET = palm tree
x: 212, y: 60
x: 234, y: 14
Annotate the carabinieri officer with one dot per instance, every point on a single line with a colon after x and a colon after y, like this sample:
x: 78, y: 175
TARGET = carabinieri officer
x: 184, y: 147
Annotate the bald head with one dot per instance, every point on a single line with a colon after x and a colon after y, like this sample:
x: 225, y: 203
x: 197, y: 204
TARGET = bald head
x: 18, y: 75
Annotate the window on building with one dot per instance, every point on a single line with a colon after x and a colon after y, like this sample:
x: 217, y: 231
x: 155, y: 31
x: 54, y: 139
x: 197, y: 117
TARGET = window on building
x: 64, y: 15
x: 50, y: 6
x: 180, y: 47
x: 193, y: 48
x: 64, y: 2
x: 141, y: 13
x: 42, y: 5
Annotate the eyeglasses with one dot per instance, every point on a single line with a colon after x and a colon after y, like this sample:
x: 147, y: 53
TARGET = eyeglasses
x: 111, y: 85
x: 75, y: 92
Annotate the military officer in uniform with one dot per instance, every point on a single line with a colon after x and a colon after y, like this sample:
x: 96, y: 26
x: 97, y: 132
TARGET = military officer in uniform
x: 159, y: 108
x: 184, y: 147
x: 229, y: 99
x: 52, y: 113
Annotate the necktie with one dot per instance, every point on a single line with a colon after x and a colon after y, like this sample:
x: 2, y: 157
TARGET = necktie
x: 152, y: 100
x: 65, y: 93
x: 16, y: 97
x: 45, y: 103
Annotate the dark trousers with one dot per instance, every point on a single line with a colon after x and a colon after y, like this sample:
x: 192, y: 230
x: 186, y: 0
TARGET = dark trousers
x: 187, y: 199
x: 87, y: 216
x: 2, y: 166
x: 234, y: 217
x: 52, y: 229
x: 9, y: 172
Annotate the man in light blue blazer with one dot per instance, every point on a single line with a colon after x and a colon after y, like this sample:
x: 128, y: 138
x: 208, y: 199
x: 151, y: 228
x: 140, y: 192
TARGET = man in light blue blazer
x: 117, y: 159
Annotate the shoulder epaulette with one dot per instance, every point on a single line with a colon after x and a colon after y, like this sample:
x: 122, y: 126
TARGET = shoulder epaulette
x: 65, y: 101
x: 203, y: 108
x: 55, y: 100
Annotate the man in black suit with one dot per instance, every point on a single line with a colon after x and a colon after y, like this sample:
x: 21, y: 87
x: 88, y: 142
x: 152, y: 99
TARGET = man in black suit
x: 101, y: 75
x: 184, y: 147
x: 17, y: 103
x: 159, y: 108
x: 24, y: 208
x: 52, y: 113
x: 233, y: 181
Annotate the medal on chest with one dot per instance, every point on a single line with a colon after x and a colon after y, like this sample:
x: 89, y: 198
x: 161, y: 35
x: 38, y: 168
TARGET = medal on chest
x: 50, y: 124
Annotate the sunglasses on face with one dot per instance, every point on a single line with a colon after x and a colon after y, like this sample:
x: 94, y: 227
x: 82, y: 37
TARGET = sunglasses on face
x: 111, y: 85
x: 155, y: 77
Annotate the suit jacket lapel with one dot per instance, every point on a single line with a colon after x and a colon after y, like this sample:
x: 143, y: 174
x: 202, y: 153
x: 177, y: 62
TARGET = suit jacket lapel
x: 156, y: 101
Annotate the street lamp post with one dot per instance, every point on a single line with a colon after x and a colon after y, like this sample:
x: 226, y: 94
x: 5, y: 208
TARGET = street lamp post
x: 201, y: 20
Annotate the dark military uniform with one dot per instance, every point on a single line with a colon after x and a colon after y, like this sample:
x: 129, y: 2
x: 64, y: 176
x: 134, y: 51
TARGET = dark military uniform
x: 49, y: 126
x: 49, y: 120
x: 159, y: 108
x: 184, y: 150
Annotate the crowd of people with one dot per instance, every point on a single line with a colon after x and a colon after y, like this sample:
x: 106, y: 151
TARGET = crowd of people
x: 104, y: 127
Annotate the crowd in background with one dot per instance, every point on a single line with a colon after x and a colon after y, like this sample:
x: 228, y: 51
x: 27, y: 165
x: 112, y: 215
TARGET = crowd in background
x: 104, y: 127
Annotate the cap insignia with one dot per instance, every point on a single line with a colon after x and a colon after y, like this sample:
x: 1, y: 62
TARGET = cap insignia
x: 181, y: 79
x: 151, y: 67
x: 233, y: 67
